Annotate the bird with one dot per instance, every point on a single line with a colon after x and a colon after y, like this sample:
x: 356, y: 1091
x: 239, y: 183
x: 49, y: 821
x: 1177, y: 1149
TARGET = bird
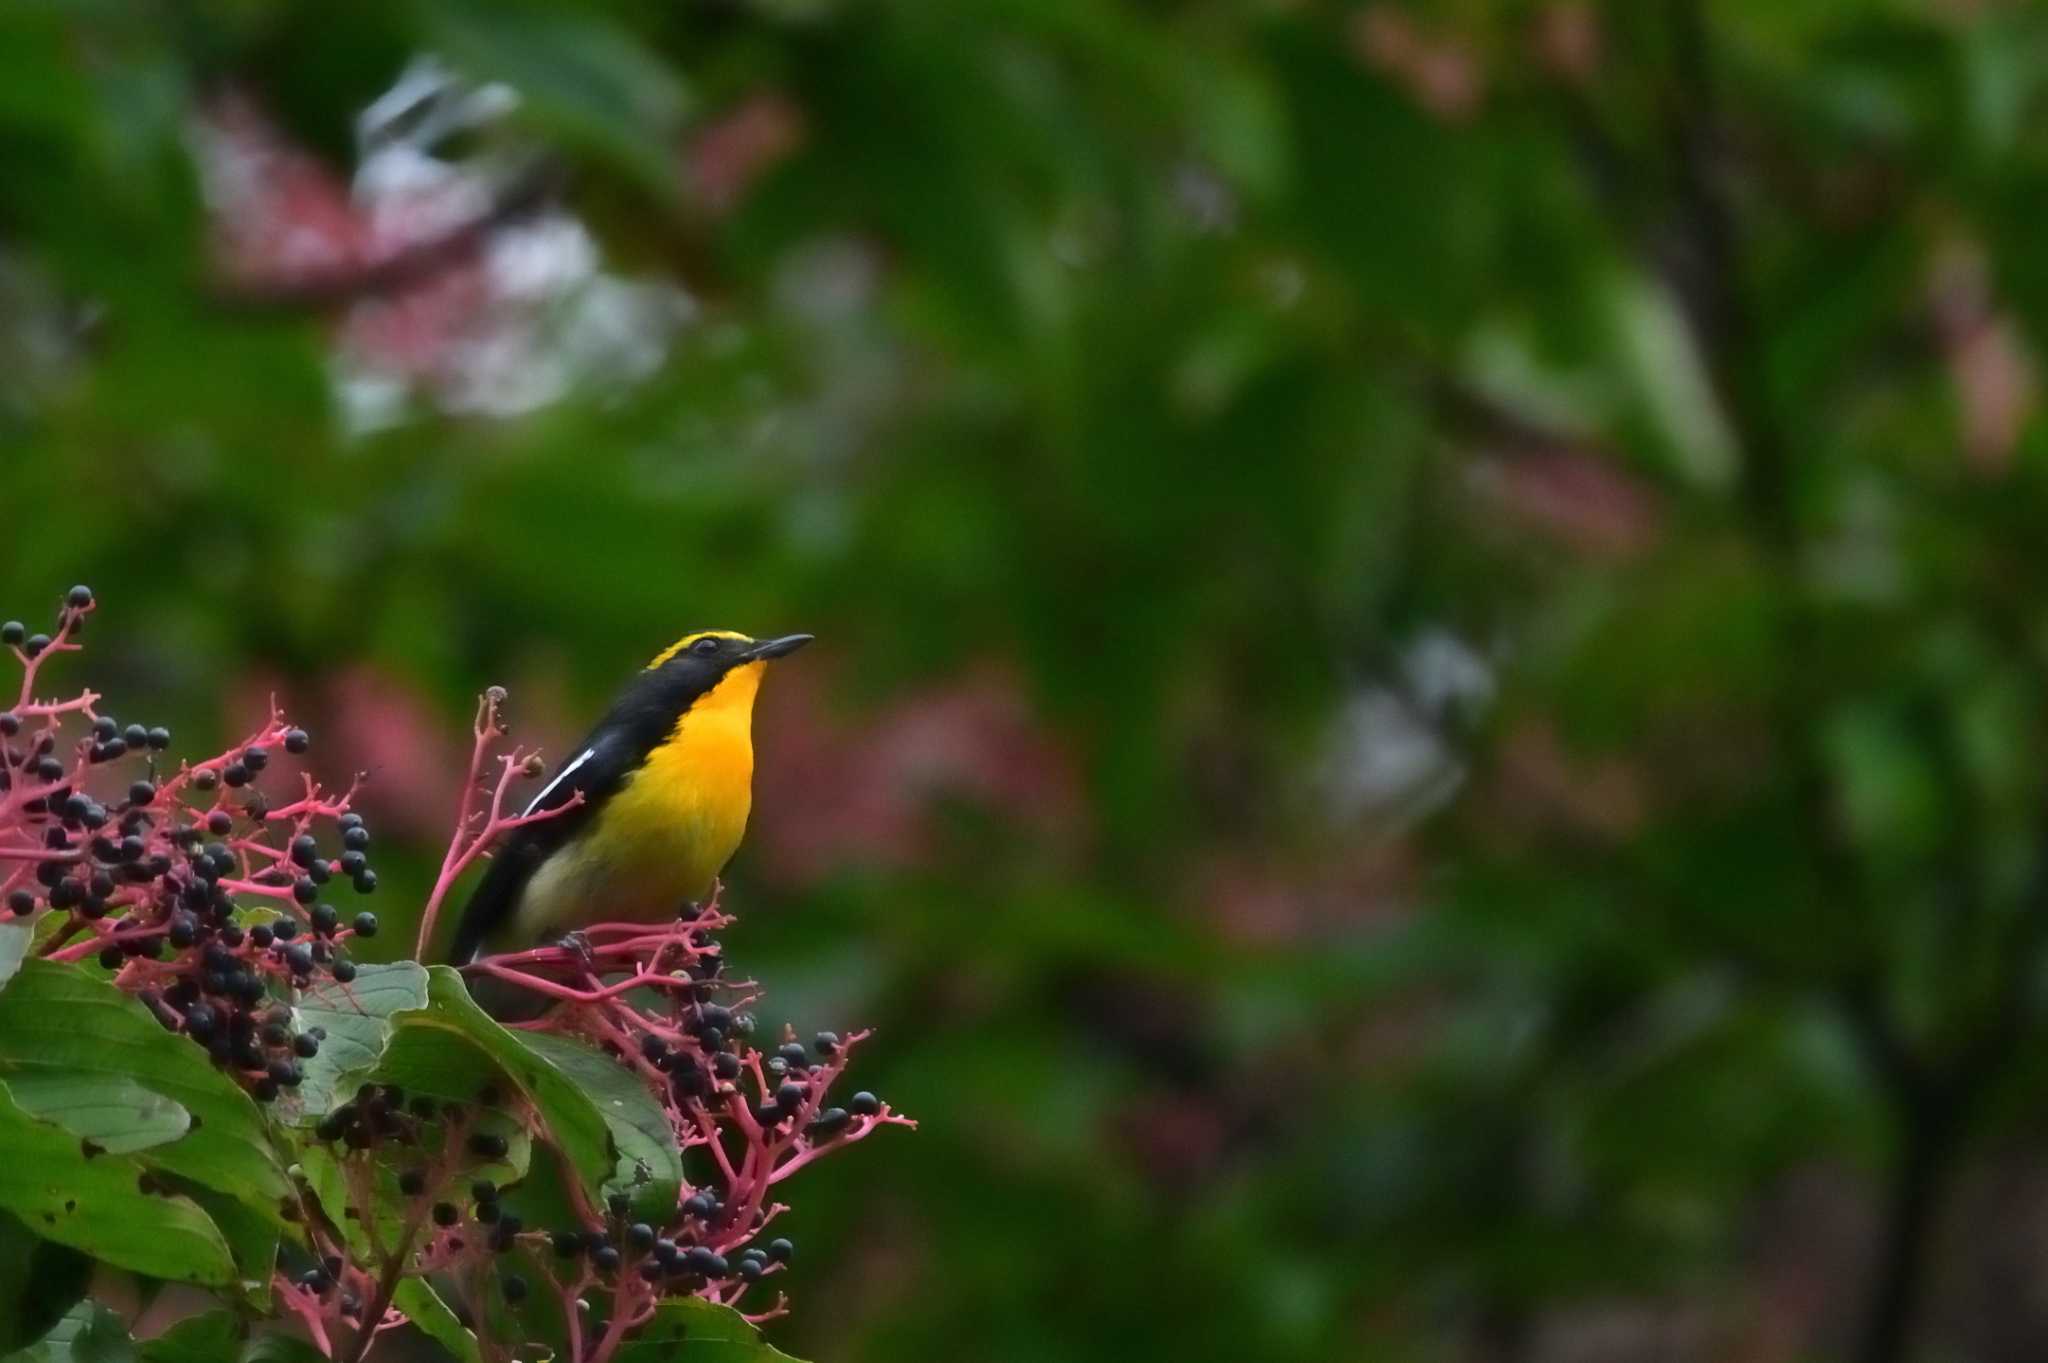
x: 666, y: 780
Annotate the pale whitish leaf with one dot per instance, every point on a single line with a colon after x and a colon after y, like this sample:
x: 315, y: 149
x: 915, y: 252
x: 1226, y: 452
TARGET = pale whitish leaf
x: 105, y: 1205
x: 14, y: 943
x: 573, y: 1122
x: 87, y: 1333
x: 118, y: 1115
x: 56, y: 1019
x: 357, y: 1019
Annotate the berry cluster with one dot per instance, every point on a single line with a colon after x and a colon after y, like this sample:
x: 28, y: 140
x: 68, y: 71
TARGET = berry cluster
x: 197, y: 887
x: 201, y: 889
x: 658, y: 1001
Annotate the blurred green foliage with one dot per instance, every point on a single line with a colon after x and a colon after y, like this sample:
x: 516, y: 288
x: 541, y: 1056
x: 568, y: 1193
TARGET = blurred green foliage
x: 1521, y: 520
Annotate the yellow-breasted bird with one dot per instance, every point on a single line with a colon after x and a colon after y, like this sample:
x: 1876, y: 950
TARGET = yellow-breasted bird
x: 667, y: 781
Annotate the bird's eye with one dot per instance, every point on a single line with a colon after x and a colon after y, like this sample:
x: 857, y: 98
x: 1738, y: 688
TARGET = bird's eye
x: 705, y: 648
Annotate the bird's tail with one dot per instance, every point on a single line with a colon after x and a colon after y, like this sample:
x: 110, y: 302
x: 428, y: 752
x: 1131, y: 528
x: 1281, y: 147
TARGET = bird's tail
x: 490, y: 907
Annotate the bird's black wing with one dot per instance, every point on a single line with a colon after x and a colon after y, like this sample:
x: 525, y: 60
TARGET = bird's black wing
x: 595, y: 771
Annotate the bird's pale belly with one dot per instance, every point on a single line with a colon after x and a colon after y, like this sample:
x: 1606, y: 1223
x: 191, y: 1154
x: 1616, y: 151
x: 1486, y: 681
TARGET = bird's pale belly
x: 668, y: 834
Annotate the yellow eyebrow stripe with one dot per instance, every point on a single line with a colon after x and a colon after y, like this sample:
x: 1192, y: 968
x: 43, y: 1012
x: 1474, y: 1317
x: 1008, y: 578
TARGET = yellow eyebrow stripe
x: 679, y: 645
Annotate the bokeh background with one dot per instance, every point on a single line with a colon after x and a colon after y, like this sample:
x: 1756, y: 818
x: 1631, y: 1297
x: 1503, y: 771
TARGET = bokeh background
x: 1427, y: 739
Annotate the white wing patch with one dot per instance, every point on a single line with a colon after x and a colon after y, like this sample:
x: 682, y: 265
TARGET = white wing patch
x: 560, y: 777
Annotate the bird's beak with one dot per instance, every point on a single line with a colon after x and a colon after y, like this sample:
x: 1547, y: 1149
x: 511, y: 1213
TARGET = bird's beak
x: 778, y: 648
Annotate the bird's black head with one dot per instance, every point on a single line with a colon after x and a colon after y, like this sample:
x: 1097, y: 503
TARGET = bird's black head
x: 709, y: 669
x: 697, y: 664
x: 714, y: 652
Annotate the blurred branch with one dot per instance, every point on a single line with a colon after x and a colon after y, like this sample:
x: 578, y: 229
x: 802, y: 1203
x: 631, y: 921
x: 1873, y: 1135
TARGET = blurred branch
x: 524, y: 193
x: 1704, y: 264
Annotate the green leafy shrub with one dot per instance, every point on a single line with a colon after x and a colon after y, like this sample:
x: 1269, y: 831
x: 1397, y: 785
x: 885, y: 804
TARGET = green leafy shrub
x: 198, y: 1086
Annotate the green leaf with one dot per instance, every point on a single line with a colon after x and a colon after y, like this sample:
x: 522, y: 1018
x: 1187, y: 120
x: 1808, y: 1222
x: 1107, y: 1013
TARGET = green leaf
x: 574, y: 1124
x: 39, y: 1281
x: 15, y: 938
x: 252, y: 1238
x: 588, y: 81
x: 57, y: 1019
x: 650, y: 1166
x: 281, y: 1349
x: 358, y: 1021
x: 109, y: 1206
x: 697, y: 1331
x: 435, y: 1319
x: 208, y: 1338
x: 116, y: 1114
x: 321, y: 1168
x: 87, y: 1333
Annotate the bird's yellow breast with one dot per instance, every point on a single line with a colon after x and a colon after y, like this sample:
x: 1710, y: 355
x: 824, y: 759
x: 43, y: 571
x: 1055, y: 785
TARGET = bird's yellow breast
x: 665, y: 835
